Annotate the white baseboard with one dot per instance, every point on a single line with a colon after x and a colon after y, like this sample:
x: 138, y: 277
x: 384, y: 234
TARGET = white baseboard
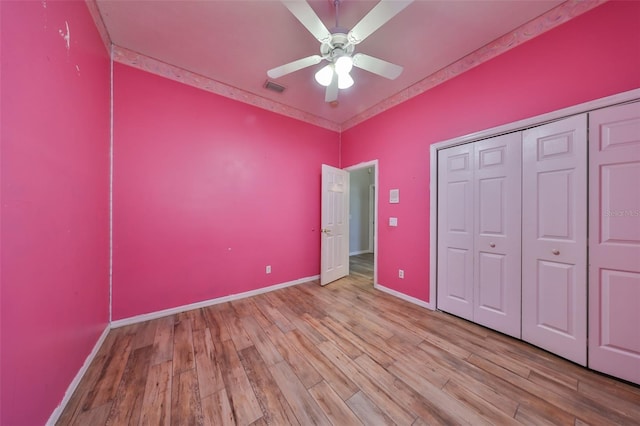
x: 428, y: 305
x: 165, y: 312
x: 55, y: 416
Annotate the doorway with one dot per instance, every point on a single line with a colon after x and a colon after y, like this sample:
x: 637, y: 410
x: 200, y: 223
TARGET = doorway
x: 363, y: 214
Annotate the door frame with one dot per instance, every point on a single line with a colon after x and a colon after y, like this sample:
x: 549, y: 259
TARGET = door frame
x: 527, y: 123
x: 376, y: 173
x: 372, y: 217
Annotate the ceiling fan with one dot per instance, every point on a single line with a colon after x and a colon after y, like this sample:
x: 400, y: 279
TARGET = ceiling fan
x: 338, y: 47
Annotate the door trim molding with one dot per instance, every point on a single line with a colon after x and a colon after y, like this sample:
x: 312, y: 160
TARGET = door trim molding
x: 376, y: 168
x: 620, y: 98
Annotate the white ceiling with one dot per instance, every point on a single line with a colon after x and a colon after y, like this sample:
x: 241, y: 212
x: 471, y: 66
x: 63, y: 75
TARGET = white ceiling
x: 235, y: 42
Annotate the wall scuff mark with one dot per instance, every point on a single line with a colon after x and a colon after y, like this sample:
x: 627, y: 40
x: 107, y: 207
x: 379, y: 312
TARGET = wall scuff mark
x: 66, y: 36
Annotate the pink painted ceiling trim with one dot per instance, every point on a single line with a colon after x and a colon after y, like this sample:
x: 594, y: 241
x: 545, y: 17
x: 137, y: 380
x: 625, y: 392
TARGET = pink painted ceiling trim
x: 97, y: 19
x: 545, y: 22
x: 154, y: 66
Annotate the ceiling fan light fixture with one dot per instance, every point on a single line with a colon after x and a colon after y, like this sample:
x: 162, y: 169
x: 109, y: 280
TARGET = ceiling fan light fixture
x: 344, y: 65
x: 325, y: 75
x: 344, y: 81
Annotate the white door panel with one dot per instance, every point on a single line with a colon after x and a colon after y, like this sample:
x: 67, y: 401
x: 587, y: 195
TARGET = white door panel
x: 614, y: 241
x: 334, y: 246
x: 554, y: 281
x: 455, y: 231
x: 497, y: 226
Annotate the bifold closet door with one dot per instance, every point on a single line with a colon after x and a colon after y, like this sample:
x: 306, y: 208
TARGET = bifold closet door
x: 614, y: 241
x: 455, y: 231
x: 479, y: 232
x: 497, y: 233
x: 554, y: 237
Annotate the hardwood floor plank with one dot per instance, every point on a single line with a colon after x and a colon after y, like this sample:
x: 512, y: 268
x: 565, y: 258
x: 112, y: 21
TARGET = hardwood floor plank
x: 197, y: 319
x: 216, y: 410
x: 94, y: 416
x: 336, y: 378
x: 367, y: 411
x: 111, y: 373
x: 207, y: 365
x: 305, y: 408
x: 274, y: 405
x: 568, y: 405
x: 127, y: 404
x: 624, y: 402
x: 183, y: 356
x: 242, y: 398
x: 74, y: 407
x: 238, y: 334
x: 432, y: 405
x: 215, y: 323
x: 343, y: 354
x: 261, y: 341
x: 343, y: 343
x: 163, y: 340
x: 273, y: 314
x: 144, y: 335
x: 305, y: 371
x: 186, y: 408
x: 156, y: 404
x: 483, y: 407
x: 334, y: 407
x: 370, y: 387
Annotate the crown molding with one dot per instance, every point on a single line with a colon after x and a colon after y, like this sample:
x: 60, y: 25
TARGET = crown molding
x: 154, y: 66
x: 545, y: 22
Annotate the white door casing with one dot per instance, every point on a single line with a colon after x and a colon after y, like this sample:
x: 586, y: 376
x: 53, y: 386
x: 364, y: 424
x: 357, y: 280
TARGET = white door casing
x: 334, y: 245
x: 455, y: 230
x: 554, y: 234
x: 497, y: 233
x: 614, y: 241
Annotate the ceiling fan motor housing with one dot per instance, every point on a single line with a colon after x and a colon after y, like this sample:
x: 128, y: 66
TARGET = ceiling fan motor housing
x: 336, y: 47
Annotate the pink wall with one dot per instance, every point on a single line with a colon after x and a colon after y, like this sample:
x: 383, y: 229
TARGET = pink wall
x: 207, y: 192
x: 592, y: 56
x: 54, y: 279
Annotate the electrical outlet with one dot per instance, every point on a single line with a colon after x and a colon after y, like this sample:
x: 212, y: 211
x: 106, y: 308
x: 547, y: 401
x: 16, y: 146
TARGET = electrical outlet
x: 268, y: 269
x: 400, y: 273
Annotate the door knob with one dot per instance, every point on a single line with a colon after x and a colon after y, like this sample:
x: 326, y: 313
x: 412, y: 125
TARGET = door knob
x: 555, y: 251
x: 492, y: 245
x: 325, y: 230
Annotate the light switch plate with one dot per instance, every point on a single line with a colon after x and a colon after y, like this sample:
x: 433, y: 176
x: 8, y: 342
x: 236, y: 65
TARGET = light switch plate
x: 394, y: 196
x: 393, y: 221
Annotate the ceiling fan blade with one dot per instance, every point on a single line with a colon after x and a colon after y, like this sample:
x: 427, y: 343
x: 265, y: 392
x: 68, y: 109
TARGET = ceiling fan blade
x: 294, y: 66
x: 331, y: 94
x: 378, y: 16
x: 307, y: 17
x: 377, y: 66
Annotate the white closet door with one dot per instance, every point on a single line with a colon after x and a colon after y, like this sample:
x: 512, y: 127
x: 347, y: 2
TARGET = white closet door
x: 554, y: 238
x: 455, y: 230
x: 614, y: 241
x: 497, y: 225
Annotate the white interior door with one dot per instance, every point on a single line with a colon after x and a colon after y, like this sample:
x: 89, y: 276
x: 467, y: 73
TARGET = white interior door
x: 554, y: 246
x: 334, y: 246
x: 455, y: 230
x: 497, y: 233
x: 614, y: 241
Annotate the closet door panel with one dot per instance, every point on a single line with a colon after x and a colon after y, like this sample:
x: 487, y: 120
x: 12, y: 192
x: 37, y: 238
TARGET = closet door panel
x: 614, y: 241
x: 554, y: 246
x: 455, y: 231
x: 497, y: 225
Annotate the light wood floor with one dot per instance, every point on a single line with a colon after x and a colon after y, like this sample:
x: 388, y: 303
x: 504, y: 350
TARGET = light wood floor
x: 361, y: 266
x: 341, y: 354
